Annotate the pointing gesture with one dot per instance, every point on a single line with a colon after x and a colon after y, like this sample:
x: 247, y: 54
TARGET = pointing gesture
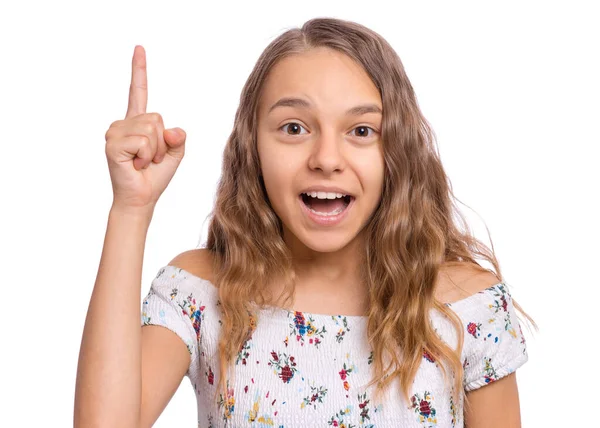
x: 142, y: 156
x: 138, y: 91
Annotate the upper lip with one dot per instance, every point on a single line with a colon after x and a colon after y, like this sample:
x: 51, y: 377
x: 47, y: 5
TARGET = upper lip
x: 329, y: 189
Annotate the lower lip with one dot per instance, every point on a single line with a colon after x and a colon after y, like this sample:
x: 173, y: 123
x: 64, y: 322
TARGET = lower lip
x: 330, y: 220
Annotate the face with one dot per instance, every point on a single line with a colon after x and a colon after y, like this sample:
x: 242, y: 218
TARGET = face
x: 319, y: 137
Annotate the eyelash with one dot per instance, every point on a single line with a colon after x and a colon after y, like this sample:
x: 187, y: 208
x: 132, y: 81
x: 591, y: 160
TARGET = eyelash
x: 360, y: 126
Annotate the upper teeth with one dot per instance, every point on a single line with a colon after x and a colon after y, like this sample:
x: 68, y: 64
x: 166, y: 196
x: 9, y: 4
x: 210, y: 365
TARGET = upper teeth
x: 325, y: 195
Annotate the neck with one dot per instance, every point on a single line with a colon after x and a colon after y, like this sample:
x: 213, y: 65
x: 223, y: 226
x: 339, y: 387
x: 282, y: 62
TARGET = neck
x: 328, y: 272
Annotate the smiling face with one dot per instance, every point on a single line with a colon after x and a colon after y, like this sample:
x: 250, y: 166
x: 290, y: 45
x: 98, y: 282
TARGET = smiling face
x: 319, y: 136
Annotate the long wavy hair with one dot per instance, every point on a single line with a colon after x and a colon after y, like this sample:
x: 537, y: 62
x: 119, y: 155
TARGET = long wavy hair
x: 416, y: 228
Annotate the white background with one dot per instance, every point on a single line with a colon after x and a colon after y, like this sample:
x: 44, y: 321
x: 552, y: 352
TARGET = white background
x: 511, y: 90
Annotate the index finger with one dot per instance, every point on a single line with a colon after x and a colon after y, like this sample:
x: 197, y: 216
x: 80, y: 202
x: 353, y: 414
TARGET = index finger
x: 138, y: 90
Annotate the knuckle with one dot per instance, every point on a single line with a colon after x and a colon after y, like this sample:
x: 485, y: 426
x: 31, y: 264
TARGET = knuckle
x: 155, y: 117
x: 110, y: 135
x: 148, y: 129
x: 111, y: 130
x: 139, y: 85
x: 143, y: 140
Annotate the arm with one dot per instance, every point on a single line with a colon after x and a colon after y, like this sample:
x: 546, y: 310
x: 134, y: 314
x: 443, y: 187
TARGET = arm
x: 126, y: 374
x: 108, y: 386
x: 495, y: 405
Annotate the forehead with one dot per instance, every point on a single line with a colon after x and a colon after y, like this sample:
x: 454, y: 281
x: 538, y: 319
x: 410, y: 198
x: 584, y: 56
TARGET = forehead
x: 325, y: 77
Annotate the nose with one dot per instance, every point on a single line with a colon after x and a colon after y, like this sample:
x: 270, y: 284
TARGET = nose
x: 326, y: 153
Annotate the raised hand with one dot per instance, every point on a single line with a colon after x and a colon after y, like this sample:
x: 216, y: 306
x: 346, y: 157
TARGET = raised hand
x: 142, y: 155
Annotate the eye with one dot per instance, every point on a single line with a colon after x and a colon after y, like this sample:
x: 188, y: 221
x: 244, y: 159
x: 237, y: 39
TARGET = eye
x: 363, y: 131
x: 295, y: 126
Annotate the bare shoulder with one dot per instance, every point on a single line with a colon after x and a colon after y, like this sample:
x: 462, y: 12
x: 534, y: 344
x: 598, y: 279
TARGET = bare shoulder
x: 198, y: 262
x: 457, y: 282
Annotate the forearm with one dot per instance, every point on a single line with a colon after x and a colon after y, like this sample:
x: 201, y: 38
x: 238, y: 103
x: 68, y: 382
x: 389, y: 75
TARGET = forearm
x: 108, y: 387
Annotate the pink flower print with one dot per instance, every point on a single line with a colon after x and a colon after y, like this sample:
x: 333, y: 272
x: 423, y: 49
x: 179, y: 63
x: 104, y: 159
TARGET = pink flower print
x: 286, y: 366
x: 189, y: 309
x: 473, y: 329
x: 210, y: 376
x: 301, y: 328
x: 243, y: 354
x: 344, y: 375
x: 300, y: 323
x: 363, y: 402
x: 338, y: 419
x: 342, y: 331
x: 316, y: 396
x: 286, y: 374
x: 423, y: 407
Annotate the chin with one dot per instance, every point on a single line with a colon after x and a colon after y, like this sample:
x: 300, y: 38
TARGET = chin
x: 324, y: 242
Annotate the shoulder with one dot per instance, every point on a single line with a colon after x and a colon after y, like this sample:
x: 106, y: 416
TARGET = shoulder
x: 458, y: 281
x: 198, y: 262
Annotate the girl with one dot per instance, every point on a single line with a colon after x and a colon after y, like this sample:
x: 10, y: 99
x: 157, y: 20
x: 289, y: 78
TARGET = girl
x: 336, y: 287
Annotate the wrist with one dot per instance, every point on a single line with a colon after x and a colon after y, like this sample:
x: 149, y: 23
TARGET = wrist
x: 136, y: 214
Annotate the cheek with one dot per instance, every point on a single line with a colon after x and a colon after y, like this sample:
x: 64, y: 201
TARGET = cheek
x: 277, y: 169
x: 371, y: 171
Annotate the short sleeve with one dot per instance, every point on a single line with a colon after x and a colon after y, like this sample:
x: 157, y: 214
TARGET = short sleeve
x: 171, y: 303
x: 494, y: 344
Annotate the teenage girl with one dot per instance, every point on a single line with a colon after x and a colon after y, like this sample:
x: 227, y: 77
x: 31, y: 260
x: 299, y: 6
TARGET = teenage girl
x: 338, y: 285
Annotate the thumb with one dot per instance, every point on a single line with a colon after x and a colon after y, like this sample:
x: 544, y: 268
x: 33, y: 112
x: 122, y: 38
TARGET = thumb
x: 175, y: 139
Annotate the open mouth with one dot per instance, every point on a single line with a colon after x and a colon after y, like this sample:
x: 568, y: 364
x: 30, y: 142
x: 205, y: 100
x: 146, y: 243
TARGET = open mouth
x: 331, y: 205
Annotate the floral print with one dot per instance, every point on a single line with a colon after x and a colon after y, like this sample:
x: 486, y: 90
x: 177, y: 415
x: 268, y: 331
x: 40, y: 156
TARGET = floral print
x: 424, y: 409
x: 210, y: 376
x: 343, y: 321
x: 316, y: 396
x: 453, y: 415
x: 227, y: 403
x: 304, y: 369
x: 474, y: 329
x: 490, y: 372
x: 285, y: 366
x: 339, y: 420
x: 364, y: 407
x: 301, y: 328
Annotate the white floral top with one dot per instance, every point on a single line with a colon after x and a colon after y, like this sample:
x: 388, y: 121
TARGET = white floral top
x: 308, y: 370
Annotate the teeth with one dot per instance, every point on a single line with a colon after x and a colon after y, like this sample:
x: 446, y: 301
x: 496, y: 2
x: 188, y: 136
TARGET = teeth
x: 334, y: 212
x: 325, y: 195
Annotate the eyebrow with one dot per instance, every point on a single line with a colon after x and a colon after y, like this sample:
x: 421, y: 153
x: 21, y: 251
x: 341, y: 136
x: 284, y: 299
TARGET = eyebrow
x: 300, y: 103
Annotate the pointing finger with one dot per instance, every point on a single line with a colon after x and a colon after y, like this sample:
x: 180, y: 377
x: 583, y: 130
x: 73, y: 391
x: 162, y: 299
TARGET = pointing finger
x: 138, y: 90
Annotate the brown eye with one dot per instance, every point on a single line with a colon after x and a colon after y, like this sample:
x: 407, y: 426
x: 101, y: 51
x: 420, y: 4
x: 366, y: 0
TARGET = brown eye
x: 295, y: 127
x: 363, y: 131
